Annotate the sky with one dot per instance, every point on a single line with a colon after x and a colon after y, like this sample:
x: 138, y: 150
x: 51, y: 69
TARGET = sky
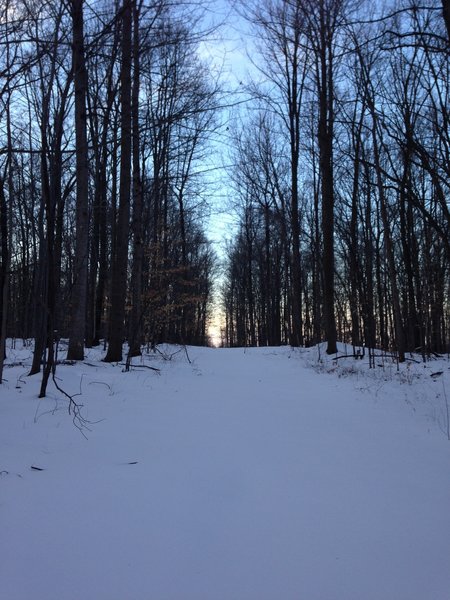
x: 225, y: 50
x: 226, y: 53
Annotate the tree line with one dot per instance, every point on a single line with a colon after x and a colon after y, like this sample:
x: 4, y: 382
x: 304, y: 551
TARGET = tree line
x: 342, y: 178
x: 106, y: 112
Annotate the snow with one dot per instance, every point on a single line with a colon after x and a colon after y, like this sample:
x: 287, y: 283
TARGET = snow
x: 261, y: 474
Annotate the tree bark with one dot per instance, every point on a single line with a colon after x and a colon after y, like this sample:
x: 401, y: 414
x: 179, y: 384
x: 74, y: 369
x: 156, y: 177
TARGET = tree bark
x: 79, y: 290
x: 120, y: 262
x: 326, y: 118
x: 135, y: 336
x: 446, y: 15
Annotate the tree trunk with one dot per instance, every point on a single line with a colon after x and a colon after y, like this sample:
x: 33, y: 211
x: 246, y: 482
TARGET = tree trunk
x: 446, y: 15
x: 135, y: 330
x: 326, y: 170
x: 120, y: 262
x: 4, y: 273
x: 79, y: 290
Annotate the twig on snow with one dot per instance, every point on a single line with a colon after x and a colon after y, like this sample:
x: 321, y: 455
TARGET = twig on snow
x: 74, y: 408
x: 141, y: 367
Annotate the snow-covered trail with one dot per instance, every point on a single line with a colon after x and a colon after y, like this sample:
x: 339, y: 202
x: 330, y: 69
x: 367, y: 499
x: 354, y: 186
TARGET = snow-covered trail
x: 256, y: 479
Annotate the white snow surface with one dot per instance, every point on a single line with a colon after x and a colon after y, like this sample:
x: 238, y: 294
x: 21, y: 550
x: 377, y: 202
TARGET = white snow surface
x: 261, y: 474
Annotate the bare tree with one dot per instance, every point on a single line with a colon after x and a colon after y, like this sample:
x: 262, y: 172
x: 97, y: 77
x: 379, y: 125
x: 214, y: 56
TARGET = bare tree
x: 79, y: 292
x: 120, y: 259
x: 281, y: 29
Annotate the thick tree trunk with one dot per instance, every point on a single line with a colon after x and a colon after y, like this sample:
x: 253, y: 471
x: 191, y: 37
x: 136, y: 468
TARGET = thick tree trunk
x: 5, y: 233
x: 79, y: 290
x: 446, y: 15
x: 4, y: 274
x: 135, y: 329
x: 295, y: 92
x: 326, y: 170
x: 120, y: 262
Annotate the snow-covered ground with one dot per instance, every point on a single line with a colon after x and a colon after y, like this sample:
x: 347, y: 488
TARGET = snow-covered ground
x: 258, y: 474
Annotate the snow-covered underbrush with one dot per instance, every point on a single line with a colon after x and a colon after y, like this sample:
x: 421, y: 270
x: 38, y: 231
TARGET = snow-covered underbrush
x: 423, y: 385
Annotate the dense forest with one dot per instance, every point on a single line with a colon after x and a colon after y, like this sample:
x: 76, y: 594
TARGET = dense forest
x: 339, y: 181
x: 341, y: 177
x: 106, y: 110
